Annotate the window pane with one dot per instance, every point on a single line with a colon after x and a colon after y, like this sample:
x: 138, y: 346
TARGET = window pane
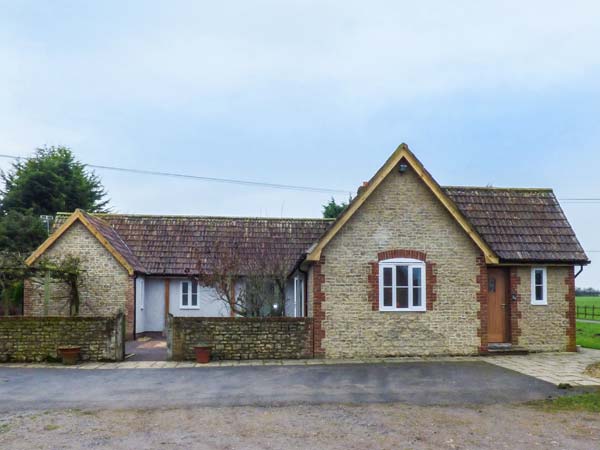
x: 184, y: 293
x: 387, y: 296
x: 539, y: 277
x: 539, y: 293
x: 416, y: 274
x: 401, y: 275
x: 387, y: 276
x: 194, y: 299
x: 194, y: 288
x: 416, y: 296
x: 402, y: 297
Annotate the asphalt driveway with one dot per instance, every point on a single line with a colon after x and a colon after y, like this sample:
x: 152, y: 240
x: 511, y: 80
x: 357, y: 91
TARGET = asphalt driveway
x: 418, y: 383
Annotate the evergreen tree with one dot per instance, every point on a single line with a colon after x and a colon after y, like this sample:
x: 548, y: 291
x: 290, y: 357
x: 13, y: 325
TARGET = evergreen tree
x: 332, y: 209
x: 52, y: 180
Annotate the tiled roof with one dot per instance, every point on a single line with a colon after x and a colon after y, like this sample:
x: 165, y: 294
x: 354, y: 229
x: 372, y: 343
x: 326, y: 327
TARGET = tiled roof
x: 520, y: 225
x: 114, y: 239
x: 174, y: 245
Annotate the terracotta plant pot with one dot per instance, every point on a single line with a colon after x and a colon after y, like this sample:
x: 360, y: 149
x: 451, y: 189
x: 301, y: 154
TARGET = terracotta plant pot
x: 69, y: 355
x: 202, y: 354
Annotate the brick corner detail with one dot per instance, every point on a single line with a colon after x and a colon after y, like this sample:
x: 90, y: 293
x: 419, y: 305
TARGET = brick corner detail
x: 482, y: 298
x: 570, y: 298
x: 515, y: 314
x: 318, y: 312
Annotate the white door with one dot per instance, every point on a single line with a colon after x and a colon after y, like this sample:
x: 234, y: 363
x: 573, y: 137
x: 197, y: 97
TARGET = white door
x: 154, y: 305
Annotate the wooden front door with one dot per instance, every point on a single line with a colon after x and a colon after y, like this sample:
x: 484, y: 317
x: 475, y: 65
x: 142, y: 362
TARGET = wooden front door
x: 497, y: 305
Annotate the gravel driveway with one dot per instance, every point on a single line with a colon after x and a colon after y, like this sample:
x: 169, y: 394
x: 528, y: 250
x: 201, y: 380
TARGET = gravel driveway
x: 389, y: 426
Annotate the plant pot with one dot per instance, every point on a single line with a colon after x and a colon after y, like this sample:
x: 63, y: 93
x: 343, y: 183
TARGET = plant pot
x: 69, y: 355
x: 202, y: 354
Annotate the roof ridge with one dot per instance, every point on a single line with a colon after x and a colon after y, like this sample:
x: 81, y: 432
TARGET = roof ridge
x: 493, y: 188
x: 187, y: 216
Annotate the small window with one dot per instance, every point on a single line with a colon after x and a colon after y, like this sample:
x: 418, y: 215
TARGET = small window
x: 298, y: 297
x: 402, y: 285
x: 189, y: 295
x: 539, y: 289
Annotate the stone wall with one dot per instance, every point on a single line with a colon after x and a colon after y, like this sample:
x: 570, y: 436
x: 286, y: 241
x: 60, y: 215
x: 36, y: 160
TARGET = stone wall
x: 37, y: 338
x: 546, y: 327
x: 240, y: 338
x: 106, y: 288
x: 401, y: 215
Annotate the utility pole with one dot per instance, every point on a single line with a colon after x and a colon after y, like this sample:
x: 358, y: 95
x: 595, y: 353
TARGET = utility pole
x: 47, y: 220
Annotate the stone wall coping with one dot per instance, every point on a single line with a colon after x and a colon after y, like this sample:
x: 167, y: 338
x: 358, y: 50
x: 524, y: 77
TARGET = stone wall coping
x: 56, y: 318
x: 243, y: 319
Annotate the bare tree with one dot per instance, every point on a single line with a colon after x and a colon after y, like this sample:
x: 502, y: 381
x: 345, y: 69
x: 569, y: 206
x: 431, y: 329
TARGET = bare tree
x: 250, y: 279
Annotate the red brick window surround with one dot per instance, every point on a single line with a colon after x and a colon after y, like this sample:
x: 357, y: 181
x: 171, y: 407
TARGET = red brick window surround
x: 430, y: 275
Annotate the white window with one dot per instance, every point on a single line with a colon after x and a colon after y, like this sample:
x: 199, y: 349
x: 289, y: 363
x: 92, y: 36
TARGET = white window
x: 402, y: 285
x: 298, y: 297
x: 189, y: 295
x: 139, y: 291
x: 539, y: 288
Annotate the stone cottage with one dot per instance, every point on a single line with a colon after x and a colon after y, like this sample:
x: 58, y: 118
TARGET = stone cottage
x: 409, y: 268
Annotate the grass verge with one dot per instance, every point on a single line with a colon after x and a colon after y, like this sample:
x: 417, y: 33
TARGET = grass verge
x: 589, y: 402
x: 588, y: 334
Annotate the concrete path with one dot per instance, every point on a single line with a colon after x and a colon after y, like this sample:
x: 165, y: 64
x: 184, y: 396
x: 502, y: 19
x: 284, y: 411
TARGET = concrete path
x: 152, y: 347
x: 554, y: 368
x: 418, y: 383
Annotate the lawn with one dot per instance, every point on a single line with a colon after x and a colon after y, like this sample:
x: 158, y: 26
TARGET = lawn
x: 588, y: 334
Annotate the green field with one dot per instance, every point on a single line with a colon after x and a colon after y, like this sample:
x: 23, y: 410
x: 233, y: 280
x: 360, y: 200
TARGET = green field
x: 588, y: 334
x: 588, y: 301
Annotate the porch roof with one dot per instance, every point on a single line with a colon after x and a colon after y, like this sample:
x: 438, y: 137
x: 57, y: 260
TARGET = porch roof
x: 520, y: 225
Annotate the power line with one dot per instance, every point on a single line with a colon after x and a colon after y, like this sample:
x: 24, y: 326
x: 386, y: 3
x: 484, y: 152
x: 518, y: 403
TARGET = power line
x: 575, y: 200
x: 209, y: 179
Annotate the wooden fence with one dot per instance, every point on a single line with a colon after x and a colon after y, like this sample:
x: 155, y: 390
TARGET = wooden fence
x: 589, y: 312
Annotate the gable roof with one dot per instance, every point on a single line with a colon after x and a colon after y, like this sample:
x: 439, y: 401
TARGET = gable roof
x: 507, y: 225
x: 521, y: 225
x: 174, y: 245
x: 107, y: 236
x: 403, y: 153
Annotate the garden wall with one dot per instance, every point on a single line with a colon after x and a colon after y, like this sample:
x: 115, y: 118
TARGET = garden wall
x: 28, y: 338
x: 240, y: 337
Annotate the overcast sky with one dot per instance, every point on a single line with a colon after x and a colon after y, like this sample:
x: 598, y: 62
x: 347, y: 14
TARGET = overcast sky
x: 309, y: 93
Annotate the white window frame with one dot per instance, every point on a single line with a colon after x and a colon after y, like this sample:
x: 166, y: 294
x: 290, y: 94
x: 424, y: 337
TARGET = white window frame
x: 410, y: 263
x: 140, y: 291
x: 189, y: 294
x: 544, y: 300
x: 298, y: 296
